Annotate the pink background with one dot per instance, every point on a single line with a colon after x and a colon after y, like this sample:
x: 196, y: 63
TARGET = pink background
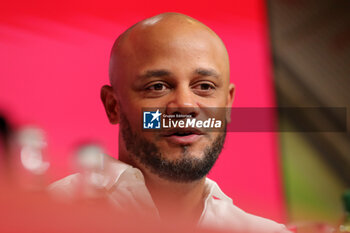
x: 54, y: 59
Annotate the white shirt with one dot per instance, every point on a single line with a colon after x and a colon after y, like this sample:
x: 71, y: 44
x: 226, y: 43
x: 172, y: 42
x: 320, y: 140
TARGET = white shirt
x: 126, y: 188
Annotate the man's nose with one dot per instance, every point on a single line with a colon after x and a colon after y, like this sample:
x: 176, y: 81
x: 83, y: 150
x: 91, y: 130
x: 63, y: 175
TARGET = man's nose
x: 183, y: 102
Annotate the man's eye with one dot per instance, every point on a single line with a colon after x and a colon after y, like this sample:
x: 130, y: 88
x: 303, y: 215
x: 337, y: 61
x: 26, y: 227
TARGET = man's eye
x: 206, y: 86
x: 204, y: 89
x: 157, y: 87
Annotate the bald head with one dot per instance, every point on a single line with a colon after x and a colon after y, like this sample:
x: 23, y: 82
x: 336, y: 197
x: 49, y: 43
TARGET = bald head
x: 160, y: 34
x: 175, y: 63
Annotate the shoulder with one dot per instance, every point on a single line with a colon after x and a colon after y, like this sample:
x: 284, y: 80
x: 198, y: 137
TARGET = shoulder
x: 221, y: 213
x: 66, y: 187
x: 90, y: 182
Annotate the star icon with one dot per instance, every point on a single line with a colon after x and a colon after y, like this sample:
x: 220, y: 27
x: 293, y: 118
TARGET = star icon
x: 155, y: 115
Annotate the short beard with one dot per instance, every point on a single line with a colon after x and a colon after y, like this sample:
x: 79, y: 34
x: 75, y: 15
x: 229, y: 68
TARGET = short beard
x: 184, y: 169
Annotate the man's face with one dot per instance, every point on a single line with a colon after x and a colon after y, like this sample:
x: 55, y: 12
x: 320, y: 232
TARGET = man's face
x: 181, y: 72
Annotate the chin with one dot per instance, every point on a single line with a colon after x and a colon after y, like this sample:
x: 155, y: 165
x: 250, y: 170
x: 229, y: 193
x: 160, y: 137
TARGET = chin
x: 183, y: 152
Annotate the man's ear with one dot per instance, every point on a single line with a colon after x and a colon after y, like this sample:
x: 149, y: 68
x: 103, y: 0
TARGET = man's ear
x: 110, y: 103
x: 230, y: 98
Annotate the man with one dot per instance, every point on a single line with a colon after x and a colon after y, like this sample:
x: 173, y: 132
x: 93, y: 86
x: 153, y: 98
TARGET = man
x: 175, y: 63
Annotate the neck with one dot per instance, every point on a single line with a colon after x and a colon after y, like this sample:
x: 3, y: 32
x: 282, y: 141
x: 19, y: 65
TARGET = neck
x: 183, y: 201
x: 176, y: 200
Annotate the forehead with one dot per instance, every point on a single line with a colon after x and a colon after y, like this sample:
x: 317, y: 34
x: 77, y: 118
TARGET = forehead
x: 183, y: 47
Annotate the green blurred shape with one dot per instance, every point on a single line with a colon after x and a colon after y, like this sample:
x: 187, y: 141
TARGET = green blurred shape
x: 313, y: 190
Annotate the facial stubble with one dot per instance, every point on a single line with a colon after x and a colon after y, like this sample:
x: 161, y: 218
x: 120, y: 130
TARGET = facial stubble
x: 187, y: 168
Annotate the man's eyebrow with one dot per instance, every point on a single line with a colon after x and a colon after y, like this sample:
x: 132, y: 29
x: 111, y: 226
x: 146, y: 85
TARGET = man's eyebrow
x: 163, y: 72
x: 207, y: 72
x: 155, y: 73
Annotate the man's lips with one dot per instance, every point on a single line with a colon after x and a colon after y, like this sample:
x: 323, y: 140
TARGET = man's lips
x: 183, y: 140
x: 181, y: 131
x: 182, y: 136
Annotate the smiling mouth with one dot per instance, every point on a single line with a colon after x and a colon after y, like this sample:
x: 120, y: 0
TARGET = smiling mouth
x: 183, y: 136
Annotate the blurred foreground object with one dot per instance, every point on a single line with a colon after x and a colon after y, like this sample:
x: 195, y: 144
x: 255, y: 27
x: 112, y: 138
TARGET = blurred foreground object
x: 29, y: 162
x: 24, y: 211
x: 32, y: 142
x: 34, y: 212
x: 91, y: 163
x: 5, y: 135
x: 311, y: 227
